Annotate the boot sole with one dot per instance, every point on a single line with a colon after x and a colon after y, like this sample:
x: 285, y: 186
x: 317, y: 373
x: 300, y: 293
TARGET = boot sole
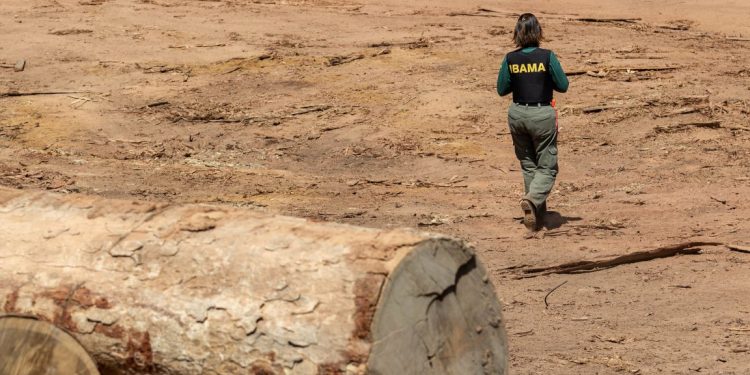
x: 529, y: 217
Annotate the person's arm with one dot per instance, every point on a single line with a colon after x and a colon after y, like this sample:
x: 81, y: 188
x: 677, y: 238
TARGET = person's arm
x: 503, y: 79
x: 558, y: 74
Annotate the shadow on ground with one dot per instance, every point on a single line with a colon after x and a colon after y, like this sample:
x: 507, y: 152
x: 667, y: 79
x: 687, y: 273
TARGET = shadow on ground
x: 553, y: 220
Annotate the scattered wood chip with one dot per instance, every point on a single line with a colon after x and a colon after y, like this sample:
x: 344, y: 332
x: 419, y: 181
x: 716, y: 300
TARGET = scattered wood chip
x: 384, y: 51
x: 310, y: 109
x: 20, y: 65
x: 706, y: 124
x: 157, y: 104
x: 614, y: 340
x: 681, y: 111
x: 339, y: 60
x: 720, y: 200
x: 596, y: 109
x: 161, y: 68
x: 236, y: 68
x: 71, y: 32
x: 599, y: 74
x: 524, y: 333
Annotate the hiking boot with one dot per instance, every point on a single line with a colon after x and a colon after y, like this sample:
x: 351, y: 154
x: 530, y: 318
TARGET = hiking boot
x: 529, y: 215
x: 542, y: 209
x: 541, y: 214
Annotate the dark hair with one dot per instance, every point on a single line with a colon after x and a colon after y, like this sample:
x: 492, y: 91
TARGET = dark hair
x: 528, y: 32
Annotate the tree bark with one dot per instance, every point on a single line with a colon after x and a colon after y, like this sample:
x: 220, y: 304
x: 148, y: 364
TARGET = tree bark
x: 200, y: 289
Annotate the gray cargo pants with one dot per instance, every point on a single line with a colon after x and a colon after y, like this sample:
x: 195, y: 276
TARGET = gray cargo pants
x: 534, y: 132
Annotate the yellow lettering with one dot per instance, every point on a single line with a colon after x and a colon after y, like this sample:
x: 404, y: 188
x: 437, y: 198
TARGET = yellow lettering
x: 527, y: 68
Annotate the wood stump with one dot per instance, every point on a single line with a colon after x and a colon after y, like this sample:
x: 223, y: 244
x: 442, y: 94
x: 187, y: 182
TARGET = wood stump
x: 197, y: 289
x: 32, y: 347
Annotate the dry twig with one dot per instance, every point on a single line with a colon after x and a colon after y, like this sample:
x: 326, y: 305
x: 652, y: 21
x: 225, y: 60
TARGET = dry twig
x: 608, y: 20
x: 546, y: 305
x: 598, y: 265
x: 37, y: 93
x: 739, y: 249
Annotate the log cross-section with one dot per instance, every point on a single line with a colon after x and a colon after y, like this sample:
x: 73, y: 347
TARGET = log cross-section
x: 198, y: 289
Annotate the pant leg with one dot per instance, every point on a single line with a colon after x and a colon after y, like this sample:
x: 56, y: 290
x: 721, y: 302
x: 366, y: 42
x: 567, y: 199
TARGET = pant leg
x: 523, y: 144
x: 543, y: 130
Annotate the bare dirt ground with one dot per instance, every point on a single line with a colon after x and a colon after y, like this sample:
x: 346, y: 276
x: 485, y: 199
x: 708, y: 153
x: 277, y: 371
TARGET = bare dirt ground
x: 384, y: 114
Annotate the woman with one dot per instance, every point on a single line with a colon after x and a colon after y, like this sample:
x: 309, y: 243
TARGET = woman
x: 531, y: 74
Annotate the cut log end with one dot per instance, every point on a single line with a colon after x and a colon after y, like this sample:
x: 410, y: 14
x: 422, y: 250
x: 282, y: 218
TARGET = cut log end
x: 438, y: 315
x: 188, y: 289
x: 30, y: 346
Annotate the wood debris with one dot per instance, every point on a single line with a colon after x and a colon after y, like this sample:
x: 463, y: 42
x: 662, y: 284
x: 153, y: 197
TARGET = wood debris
x: 19, y: 66
x: 607, y: 20
x: 414, y: 44
x: 310, y: 109
x: 681, y: 111
x: 37, y: 93
x: 706, y: 124
x: 339, y: 60
x: 157, y: 104
x: 580, y: 72
x: 71, y: 32
x: 598, y: 265
x: 162, y: 68
x: 739, y: 248
x: 475, y: 14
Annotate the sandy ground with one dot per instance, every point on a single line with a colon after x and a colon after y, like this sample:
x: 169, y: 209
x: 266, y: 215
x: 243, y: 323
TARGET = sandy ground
x: 384, y: 114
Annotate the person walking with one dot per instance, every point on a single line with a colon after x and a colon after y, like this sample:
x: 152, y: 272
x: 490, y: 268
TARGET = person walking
x: 531, y: 74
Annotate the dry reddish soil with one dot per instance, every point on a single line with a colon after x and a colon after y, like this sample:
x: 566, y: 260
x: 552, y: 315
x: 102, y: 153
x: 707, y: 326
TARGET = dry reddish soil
x: 384, y: 114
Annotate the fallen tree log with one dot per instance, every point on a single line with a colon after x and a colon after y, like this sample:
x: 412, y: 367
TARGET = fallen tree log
x: 197, y: 289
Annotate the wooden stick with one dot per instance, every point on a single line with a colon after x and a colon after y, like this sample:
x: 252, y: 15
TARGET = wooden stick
x: 681, y: 111
x: 488, y: 10
x: 624, y: 69
x: 34, y: 93
x: 546, y: 305
x: 739, y: 249
x: 598, y: 265
x: 608, y: 20
x: 707, y: 124
x: 454, y: 14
